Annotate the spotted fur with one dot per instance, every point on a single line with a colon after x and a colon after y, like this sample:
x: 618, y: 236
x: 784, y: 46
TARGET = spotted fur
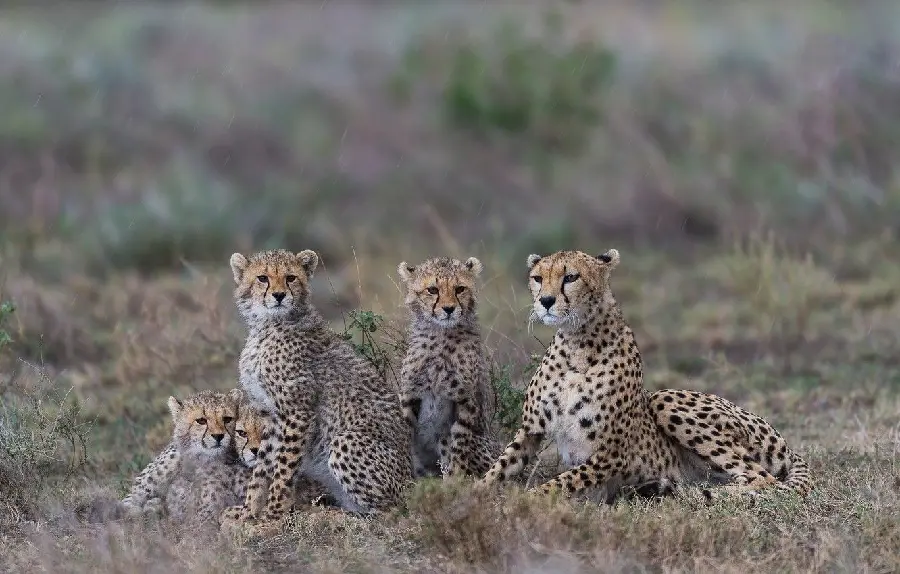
x: 588, y: 397
x: 334, y: 418
x: 203, y: 426
x: 445, y: 390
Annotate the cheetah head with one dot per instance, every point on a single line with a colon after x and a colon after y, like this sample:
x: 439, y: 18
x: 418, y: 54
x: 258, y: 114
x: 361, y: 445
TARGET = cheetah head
x: 249, y: 429
x: 273, y: 284
x: 567, y: 285
x: 441, y: 290
x: 204, y: 422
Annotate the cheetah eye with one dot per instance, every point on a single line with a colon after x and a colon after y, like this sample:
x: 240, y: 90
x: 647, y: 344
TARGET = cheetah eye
x: 262, y: 279
x: 570, y: 277
x: 432, y: 290
x: 537, y: 279
x: 227, y: 419
x: 201, y: 421
x: 290, y: 278
x: 241, y: 433
x: 460, y: 289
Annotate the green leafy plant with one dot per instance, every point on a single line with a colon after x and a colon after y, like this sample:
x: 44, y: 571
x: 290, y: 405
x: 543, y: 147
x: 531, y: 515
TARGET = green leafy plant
x: 361, y: 331
x: 510, y: 398
x: 543, y: 93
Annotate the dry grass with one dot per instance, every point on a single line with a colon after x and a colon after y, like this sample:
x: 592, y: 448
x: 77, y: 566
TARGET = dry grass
x: 744, y: 167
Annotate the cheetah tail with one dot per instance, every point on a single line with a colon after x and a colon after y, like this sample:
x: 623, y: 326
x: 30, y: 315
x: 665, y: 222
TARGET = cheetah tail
x: 798, y: 478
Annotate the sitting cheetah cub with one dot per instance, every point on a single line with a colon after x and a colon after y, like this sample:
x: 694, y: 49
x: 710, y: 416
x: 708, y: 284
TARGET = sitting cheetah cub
x: 588, y: 396
x: 202, y: 434
x: 445, y: 390
x: 335, y: 419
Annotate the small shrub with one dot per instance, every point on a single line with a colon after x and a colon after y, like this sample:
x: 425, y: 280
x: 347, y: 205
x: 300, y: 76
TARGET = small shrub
x: 42, y: 443
x: 381, y: 352
x: 510, y: 399
x: 539, y: 88
x: 544, y: 93
x: 7, y: 308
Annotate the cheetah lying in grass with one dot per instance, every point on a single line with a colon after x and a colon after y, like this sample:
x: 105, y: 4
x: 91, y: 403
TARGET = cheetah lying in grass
x: 445, y: 390
x: 221, y: 483
x: 588, y: 397
x: 203, y: 427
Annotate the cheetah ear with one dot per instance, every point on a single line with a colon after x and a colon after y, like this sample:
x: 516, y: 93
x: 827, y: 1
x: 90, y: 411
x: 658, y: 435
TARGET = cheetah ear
x: 610, y: 258
x: 405, y: 270
x: 175, y: 406
x: 309, y: 260
x: 474, y: 265
x: 532, y: 260
x: 239, y: 264
x: 236, y: 395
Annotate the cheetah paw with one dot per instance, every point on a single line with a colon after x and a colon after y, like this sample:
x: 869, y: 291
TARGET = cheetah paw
x: 323, y: 500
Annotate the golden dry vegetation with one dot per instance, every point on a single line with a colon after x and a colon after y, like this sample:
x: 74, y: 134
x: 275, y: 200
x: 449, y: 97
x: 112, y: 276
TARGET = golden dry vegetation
x: 743, y: 160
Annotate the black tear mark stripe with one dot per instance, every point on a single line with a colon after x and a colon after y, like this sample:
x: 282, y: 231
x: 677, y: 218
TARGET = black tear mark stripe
x: 562, y: 288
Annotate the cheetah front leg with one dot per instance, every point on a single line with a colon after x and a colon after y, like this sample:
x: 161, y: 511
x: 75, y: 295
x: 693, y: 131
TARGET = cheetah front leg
x: 599, y: 468
x: 153, y: 480
x: 515, y: 457
x: 460, y: 451
x: 292, y: 424
x: 260, y: 479
x: 411, y: 406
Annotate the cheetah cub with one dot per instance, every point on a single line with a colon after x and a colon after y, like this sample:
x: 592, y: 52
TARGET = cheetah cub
x: 336, y: 420
x: 445, y: 391
x: 588, y: 396
x: 201, y: 491
x: 202, y: 432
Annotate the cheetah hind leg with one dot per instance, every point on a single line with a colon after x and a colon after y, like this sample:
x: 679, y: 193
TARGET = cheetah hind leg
x: 703, y: 425
x: 371, y: 474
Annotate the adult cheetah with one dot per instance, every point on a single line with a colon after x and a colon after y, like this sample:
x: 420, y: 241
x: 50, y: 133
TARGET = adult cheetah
x: 203, y: 424
x: 588, y: 396
x: 335, y: 419
x: 445, y: 390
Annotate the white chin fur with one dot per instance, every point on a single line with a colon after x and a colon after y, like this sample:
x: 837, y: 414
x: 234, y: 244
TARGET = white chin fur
x: 546, y: 318
x: 450, y: 322
x: 209, y: 451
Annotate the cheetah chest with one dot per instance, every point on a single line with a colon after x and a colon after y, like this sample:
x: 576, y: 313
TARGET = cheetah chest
x: 573, y: 420
x: 435, y: 419
x: 251, y: 377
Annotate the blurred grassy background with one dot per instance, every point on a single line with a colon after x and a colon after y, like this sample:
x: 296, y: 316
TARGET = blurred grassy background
x: 743, y: 157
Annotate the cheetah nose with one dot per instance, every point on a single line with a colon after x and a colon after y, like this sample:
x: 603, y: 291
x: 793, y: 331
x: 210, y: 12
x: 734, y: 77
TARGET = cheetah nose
x: 547, y: 301
x: 218, y: 438
x: 449, y: 309
x: 279, y: 296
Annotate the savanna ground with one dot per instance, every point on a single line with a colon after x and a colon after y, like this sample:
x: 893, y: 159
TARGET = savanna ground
x: 743, y: 160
